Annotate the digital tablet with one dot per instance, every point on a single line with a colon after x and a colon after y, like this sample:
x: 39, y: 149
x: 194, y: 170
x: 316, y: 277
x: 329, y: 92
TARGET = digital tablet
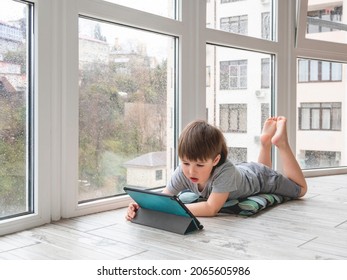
x: 157, y: 201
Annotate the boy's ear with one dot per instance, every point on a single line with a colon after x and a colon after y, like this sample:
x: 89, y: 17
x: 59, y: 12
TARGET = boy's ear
x: 216, y: 160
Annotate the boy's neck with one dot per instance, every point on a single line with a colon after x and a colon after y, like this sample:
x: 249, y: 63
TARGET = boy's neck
x: 201, y: 187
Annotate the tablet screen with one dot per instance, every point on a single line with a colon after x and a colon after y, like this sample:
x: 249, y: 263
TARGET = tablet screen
x: 158, y: 201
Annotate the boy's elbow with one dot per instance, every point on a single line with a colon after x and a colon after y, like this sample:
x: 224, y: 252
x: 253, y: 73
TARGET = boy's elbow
x: 213, y: 211
x: 203, y: 209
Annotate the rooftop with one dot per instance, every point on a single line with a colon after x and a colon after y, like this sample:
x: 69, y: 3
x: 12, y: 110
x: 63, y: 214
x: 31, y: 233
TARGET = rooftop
x: 152, y: 159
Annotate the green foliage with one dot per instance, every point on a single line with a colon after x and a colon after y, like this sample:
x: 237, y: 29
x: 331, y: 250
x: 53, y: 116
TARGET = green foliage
x: 17, y: 57
x: 12, y: 155
x: 122, y: 115
x: 106, y: 127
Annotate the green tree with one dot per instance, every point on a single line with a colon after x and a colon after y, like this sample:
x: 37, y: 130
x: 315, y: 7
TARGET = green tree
x: 12, y: 154
x: 17, y: 57
x: 111, y: 121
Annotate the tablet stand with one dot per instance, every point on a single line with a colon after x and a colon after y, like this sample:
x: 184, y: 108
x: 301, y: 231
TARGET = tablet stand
x: 161, y: 220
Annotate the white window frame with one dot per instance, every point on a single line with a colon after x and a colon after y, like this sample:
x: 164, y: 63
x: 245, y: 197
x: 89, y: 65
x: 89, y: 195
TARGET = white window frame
x: 187, y: 61
x: 56, y: 87
x: 42, y: 85
x: 320, y: 50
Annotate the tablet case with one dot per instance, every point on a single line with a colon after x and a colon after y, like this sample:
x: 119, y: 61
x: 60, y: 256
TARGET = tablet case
x: 162, y: 211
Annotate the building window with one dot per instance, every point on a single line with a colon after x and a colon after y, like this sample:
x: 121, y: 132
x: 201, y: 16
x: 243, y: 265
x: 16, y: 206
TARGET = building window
x: 233, y: 74
x: 317, y: 159
x: 158, y: 175
x: 265, y: 114
x: 237, y: 154
x: 265, y: 26
x: 265, y: 73
x: 237, y: 24
x: 319, y: 71
x: 320, y: 116
x: 318, y: 21
x: 233, y: 117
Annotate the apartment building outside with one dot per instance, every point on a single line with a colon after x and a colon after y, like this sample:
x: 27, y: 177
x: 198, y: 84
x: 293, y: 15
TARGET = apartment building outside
x: 240, y: 85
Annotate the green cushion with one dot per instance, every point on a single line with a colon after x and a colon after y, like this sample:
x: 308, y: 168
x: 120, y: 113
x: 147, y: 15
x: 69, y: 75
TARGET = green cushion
x: 253, y: 204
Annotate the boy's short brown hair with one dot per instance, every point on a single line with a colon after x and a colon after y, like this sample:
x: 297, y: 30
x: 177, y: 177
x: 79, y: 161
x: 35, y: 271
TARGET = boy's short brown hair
x: 201, y: 141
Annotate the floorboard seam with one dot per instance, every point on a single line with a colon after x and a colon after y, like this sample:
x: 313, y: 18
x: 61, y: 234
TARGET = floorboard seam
x: 314, y: 238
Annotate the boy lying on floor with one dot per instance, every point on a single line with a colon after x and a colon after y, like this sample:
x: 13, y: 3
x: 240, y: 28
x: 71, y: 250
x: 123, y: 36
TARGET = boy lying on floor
x: 206, y: 172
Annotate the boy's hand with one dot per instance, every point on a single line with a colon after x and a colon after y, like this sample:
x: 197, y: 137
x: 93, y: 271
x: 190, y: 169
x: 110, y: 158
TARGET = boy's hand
x: 131, y: 212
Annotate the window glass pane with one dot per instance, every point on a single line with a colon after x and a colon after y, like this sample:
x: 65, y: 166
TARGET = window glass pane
x: 234, y: 118
x: 315, y: 118
x: 336, y: 118
x: 303, y: 70
x: 165, y: 8
x: 265, y: 73
x: 305, y: 118
x: 317, y: 70
x: 326, y: 115
x: 229, y: 16
x: 15, y: 102
x: 224, y: 117
x: 313, y: 70
x: 126, y: 93
x: 233, y: 103
x: 320, y: 139
x: 265, y: 113
x: 237, y: 155
x: 336, y: 71
x: 325, y: 71
x: 325, y: 21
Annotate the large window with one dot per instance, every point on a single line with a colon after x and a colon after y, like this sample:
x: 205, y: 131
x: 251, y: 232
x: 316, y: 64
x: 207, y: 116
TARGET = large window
x: 246, y: 17
x: 233, y: 118
x: 321, y: 97
x: 321, y: 86
x: 237, y: 24
x: 88, y: 104
x: 115, y: 82
x: 125, y: 93
x: 233, y: 74
x: 16, y: 109
x: 320, y: 116
x: 242, y: 94
x: 318, y: 71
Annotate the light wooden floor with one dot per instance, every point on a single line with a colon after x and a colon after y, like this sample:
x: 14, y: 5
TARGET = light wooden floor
x: 312, y: 228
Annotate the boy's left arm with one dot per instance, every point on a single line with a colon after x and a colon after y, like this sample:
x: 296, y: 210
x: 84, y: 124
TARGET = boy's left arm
x: 210, y: 207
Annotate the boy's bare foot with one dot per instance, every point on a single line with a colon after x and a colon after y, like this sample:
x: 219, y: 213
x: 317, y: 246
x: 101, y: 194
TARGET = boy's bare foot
x: 269, y: 130
x: 280, y: 137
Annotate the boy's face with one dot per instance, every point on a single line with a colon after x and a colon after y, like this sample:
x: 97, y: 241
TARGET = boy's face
x: 199, y: 171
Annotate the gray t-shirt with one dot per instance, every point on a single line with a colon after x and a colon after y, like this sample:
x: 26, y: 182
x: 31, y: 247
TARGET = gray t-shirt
x: 238, y: 180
